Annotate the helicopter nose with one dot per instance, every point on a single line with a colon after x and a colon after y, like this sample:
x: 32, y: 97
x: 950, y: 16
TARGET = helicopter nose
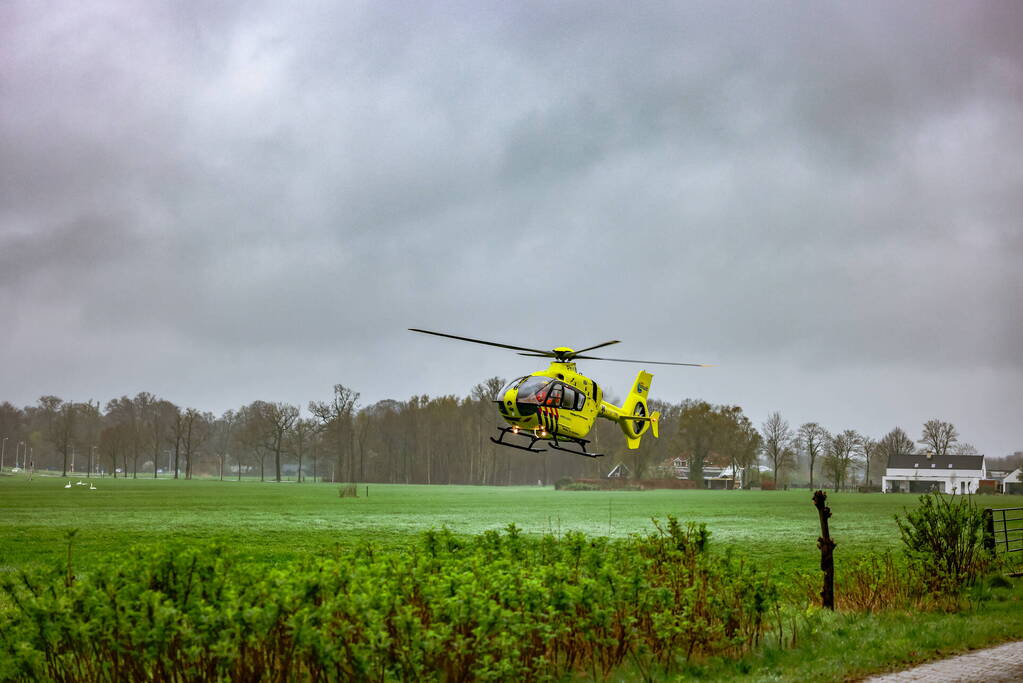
x: 507, y: 403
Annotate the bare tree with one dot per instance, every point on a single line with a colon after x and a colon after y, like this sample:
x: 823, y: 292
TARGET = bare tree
x: 336, y: 417
x: 58, y: 418
x: 221, y: 436
x: 177, y: 434
x: 301, y: 436
x: 869, y: 449
x: 142, y: 430
x: 963, y: 448
x: 90, y: 424
x: 895, y: 442
x: 777, y: 442
x: 250, y: 436
x: 741, y: 442
x: 698, y: 424
x: 159, y: 418
x: 114, y: 442
x: 482, y: 396
x: 13, y: 423
x: 196, y: 431
x: 938, y: 436
x: 813, y: 440
x: 843, y: 448
x: 120, y: 415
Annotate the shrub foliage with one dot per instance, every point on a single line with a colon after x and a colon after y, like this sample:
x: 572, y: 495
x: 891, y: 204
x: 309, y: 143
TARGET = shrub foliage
x: 943, y: 539
x: 496, y: 606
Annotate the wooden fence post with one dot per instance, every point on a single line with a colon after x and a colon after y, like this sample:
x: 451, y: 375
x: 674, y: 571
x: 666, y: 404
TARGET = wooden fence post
x: 827, y: 547
x: 989, y: 530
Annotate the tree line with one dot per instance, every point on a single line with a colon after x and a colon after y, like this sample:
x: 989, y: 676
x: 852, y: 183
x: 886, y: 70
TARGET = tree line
x: 808, y: 454
x: 427, y: 440
x: 430, y: 440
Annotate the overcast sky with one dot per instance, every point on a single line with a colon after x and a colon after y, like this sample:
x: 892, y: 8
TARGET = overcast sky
x: 218, y: 202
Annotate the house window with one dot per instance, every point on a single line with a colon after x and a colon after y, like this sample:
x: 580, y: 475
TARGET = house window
x: 933, y: 465
x: 916, y: 464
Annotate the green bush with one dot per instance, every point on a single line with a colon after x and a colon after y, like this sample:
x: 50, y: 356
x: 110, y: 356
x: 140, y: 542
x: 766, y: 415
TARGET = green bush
x: 497, y: 606
x: 580, y: 486
x: 873, y: 582
x: 943, y: 538
x: 562, y: 483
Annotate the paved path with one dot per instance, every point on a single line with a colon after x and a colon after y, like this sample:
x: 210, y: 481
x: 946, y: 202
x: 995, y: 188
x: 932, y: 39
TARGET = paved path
x: 1002, y: 664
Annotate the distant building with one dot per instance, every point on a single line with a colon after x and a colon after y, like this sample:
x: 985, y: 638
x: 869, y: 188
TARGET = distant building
x: 619, y: 471
x: 1013, y: 482
x: 714, y: 476
x: 925, y: 472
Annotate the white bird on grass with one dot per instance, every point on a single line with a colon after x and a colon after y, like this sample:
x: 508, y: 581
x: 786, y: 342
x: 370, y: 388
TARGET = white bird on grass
x: 92, y: 487
x: 68, y: 485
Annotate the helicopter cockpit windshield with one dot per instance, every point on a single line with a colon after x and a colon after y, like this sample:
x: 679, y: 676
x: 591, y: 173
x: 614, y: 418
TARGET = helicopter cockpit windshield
x: 534, y: 390
x: 511, y: 385
x: 538, y: 391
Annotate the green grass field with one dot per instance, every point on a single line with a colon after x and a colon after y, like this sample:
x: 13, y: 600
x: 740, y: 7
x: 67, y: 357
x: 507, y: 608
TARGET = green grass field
x: 271, y: 523
x: 268, y: 523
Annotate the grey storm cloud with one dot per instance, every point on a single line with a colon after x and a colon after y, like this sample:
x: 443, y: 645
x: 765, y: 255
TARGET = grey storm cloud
x: 226, y: 201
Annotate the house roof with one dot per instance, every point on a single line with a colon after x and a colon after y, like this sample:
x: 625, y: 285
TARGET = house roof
x: 620, y: 467
x: 957, y: 462
x: 1014, y: 477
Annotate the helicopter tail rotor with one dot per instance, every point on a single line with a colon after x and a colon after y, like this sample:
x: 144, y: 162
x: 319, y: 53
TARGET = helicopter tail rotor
x: 634, y: 417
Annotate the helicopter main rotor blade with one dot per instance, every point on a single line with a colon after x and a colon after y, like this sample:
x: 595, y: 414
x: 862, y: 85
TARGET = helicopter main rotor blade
x: 648, y: 362
x: 598, y: 346
x: 480, y: 341
x: 619, y: 360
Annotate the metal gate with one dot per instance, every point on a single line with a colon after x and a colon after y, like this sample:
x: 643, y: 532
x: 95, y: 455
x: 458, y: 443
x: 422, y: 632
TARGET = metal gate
x: 1003, y: 529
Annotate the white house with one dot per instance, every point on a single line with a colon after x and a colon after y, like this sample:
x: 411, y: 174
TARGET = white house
x: 714, y: 476
x: 924, y: 472
x: 1013, y: 483
x: 619, y: 471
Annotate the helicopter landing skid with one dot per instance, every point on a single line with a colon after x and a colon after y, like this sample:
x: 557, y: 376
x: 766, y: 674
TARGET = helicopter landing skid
x: 552, y: 442
x: 579, y: 442
x: 532, y: 440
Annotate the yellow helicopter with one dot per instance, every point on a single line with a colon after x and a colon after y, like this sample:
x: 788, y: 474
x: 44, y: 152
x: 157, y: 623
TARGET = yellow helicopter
x: 558, y: 405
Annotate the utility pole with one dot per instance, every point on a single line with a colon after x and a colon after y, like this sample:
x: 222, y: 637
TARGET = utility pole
x: 3, y: 449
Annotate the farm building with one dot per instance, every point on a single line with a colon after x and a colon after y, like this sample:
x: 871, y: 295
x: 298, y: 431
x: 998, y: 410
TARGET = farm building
x: 1013, y: 482
x: 714, y: 476
x: 619, y: 471
x: 924, y: 472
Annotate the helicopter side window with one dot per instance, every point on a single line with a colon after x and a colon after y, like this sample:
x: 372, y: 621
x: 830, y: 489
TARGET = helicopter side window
x: 569, y: 399
x: 580, y: 400
x: 554, y: 396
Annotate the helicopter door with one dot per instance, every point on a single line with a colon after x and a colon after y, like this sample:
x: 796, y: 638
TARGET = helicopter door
x: 571, y: 399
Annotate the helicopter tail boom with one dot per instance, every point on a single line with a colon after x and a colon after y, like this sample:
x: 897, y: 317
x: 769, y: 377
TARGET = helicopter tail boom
x: 633, y: 416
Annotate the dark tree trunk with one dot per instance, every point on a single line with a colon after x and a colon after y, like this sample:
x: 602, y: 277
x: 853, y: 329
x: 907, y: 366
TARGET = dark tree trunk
x: 277, y: 463
x: 827, y: 547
